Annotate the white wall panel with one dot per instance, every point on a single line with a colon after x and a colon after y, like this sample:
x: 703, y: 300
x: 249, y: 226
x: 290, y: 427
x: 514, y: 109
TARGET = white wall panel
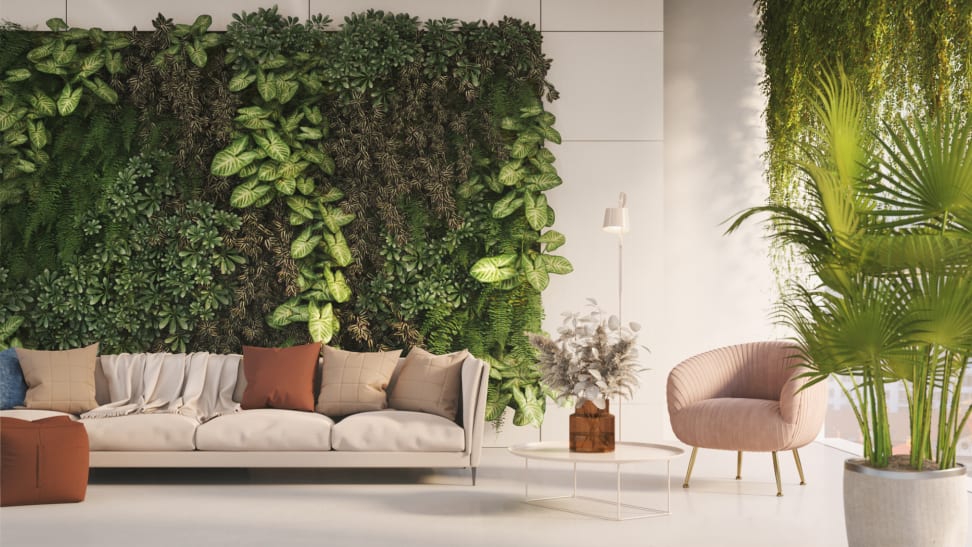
x: 464, y: 10
x: 125, y: 14
x: 610, y: 84
x: 609, y: 15
x: 31, y: 14
x: 719, y: 289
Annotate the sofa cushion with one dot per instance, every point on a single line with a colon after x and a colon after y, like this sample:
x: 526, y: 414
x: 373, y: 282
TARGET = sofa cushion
x: 355, y: 382
x: 397, y: 431
x: 13, y: 388
x: 280, y: 377
x: 266, y: 429
x: 142, y: 432
x: 60, y: 380
x: 429, y: 383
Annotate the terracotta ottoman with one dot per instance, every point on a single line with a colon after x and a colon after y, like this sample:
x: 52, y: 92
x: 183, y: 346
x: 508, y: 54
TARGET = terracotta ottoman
x: 44, y: 461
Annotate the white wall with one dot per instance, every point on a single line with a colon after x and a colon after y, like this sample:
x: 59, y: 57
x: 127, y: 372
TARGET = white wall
x: 687, y: 162
x: 719, y: 290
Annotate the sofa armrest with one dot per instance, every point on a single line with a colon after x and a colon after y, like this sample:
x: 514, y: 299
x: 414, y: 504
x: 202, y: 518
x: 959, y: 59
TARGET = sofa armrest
x: 475, y: 377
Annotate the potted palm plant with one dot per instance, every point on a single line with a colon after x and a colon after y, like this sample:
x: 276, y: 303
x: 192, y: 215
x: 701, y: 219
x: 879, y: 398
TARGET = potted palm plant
x: 886, y: 231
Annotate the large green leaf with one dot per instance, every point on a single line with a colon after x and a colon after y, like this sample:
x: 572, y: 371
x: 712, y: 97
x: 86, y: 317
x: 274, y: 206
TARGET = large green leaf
x: 496, y: 401
x: 543, y: 181
x: 241, y: 81
x: 102, y: 90
x: 42, y: 104
x: 553, y: 239
x: 91, y: 64
x: 506, y: 205
x: 113, y: 62
x: 522, y: 148
x: 511, y: 173
x: 302, y: 206
x: 201, y: 24
x: 17, y: 75
x: 266, y: 86
x: 285, y: 186
x: 10, y: 116
x: 529, y: 407
x: 304, y: 244
x: 551, y: 135
x: 333, y: 194
x: 531, y: 111
x: 273, y: 145
x: 334, y: 218
x: 556, y: 264
x: 338, y: 248
x: 285, y: 90
x: 248, y: 194
x: 535, y: 209
x: 227, y: 163
x: 536, y: 274
x: 68, y: 101
x: 37, y: 133
x: 291, y: 311
x: 337, y: 286
x: 493, y: 269
x: 320, y: 322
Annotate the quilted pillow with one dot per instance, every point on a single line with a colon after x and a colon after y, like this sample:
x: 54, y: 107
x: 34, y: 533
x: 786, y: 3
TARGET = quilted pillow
x: 355, y: 382
x: 280, y: 377
x: 60, y: 380
x: 429, y: 383
x: 13, y: 388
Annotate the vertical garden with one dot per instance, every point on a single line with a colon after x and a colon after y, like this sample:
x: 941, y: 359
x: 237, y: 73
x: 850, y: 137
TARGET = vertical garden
x: 376, y: 185
x: 904, y: 57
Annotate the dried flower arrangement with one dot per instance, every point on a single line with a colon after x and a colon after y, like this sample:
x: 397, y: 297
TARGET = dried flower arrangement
x: 594, y: 358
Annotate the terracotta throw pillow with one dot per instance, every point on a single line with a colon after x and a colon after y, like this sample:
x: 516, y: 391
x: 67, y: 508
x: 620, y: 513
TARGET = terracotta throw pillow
x: 60, y: 380
x: 280, y: 377
x: 429, y: 383
x: 355, y: 382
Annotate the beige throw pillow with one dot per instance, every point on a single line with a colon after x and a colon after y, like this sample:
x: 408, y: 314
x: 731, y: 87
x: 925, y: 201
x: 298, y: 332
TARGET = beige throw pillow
x: 60, y: 380
x: 429, y: 383
x: 355, y: 382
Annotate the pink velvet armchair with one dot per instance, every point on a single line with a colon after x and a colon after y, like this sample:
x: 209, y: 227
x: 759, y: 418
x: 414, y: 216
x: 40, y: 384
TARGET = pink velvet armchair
x: 745, y: 398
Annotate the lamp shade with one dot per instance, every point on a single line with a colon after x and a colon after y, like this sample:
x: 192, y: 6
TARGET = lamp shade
x: 616, y: 220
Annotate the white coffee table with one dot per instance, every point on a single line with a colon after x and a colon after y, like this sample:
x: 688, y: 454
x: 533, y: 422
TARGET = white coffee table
x: 624, y: 452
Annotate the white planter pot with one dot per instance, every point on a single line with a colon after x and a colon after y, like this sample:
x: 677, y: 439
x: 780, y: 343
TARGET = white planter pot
x: 904, y: 508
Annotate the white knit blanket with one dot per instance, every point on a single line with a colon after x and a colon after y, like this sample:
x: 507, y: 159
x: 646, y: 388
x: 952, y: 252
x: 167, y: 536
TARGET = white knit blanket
x: 199, y: 385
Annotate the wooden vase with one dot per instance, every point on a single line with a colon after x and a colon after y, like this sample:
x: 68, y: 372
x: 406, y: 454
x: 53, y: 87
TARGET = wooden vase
x: 592, y: 428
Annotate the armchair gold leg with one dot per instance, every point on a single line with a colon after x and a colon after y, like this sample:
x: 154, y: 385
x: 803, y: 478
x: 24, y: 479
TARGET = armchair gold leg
x: 796, y: 456
x: 688, y: 473
x: 776, y: 469
x: 739, y: 465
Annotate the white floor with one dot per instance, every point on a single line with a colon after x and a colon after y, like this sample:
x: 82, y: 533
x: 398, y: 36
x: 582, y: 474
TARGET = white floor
x: 440, y: 508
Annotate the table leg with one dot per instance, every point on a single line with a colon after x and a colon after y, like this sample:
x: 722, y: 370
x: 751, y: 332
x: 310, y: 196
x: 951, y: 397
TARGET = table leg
x: 619, y: 490
x: 574, y: 493
x: 668, y: 483
x: 526, y: 478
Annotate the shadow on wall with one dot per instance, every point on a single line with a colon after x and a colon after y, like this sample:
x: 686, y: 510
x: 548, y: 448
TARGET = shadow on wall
x: 720, y: 288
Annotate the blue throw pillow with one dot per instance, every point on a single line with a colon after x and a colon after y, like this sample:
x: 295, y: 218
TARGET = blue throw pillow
x: 13, y: 388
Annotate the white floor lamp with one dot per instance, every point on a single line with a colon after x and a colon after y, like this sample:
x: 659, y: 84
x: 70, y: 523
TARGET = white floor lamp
x: 616, y: 222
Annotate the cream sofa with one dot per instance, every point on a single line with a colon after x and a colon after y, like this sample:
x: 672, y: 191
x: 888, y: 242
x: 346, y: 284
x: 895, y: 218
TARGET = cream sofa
x: 288, y: 438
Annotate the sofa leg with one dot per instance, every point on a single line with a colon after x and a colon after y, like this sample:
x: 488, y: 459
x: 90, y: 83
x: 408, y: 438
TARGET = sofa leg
x: 796, y: 456
x: 739, y: 465
x: 474, y: 476
x: 776, y: 469
x: 688, y: 473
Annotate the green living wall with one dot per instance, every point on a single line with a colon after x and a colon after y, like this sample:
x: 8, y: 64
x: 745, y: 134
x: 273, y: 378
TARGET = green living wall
x: 381, y: 185
x: 905, y: 57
